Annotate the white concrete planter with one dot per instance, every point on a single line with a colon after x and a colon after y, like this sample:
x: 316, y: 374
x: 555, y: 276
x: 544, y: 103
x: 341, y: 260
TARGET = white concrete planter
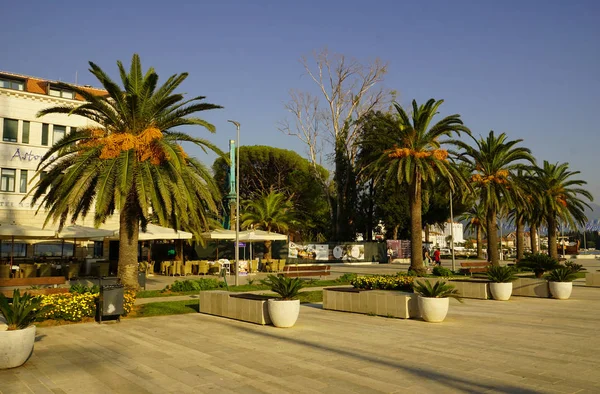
x: 16, y: 347
x: 284, y: 313
x: 561, y: 290
x: 433, y: 310
x: 501, y: 291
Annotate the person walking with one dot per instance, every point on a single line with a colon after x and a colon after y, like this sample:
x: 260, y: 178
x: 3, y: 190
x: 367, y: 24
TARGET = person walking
x: 390, y: 254
x: 436, y: 257
x: 426, y: 256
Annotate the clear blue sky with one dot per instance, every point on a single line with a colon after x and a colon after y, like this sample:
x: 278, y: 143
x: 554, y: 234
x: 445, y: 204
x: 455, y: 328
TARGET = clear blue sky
x: 527, y: 68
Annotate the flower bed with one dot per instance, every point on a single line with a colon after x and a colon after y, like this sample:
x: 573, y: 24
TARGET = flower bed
x: 384, y: 282
x: 75, y: 307
x: 396, y: 304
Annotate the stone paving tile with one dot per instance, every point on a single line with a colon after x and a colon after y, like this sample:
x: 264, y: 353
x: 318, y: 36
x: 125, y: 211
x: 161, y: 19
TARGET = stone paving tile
x: 525, y: 345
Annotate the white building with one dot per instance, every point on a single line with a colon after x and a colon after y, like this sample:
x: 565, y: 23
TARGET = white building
x: 25, y: 139
x: 440, y: 236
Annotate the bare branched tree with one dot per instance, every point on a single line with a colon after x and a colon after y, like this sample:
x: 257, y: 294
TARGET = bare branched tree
x: 349, y: 91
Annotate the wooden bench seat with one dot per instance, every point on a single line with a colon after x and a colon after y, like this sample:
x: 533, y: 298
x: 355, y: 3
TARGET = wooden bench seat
x: 297, y: 271
x: 474, y: 267
x: 38, y: 281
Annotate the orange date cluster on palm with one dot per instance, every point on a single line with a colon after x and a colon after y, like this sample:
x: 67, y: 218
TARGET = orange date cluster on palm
x: 145, y: 144
x: 439, y: 154
x: 500, y: 177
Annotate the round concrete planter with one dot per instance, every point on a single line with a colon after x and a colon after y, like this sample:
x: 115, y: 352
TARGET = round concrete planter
x: 561, y: 290
x: 284, y: 313
x: 433, y: 310
x: 501, y: 291
x: 16, y: 347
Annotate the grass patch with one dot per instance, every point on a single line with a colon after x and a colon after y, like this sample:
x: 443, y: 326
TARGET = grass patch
x: 165, y: 308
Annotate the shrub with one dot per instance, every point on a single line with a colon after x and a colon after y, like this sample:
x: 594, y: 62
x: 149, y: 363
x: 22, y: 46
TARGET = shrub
x: 22, y: 311
x: 195, y: 285
x: 538, y: 263
x: 438, y: 290
x: 498, y: 274
x: 418, y: 272
x: 346, y: 278
x: 441, y: 271
x: 384, y: 282
x: 562, y: 274
x: 82, y: 289
x: 286, y: 287
x: 77, y: 306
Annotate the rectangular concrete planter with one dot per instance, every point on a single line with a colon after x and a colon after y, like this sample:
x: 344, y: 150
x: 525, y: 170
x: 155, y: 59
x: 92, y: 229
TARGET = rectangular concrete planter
x: 250, y: 308
x: 387, y: 303
x: 531, y: 287
x: 592, y: 278
x: 478, y: 289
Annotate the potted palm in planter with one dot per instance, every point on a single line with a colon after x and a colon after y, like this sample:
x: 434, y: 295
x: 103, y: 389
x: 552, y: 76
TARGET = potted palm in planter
x: 501, y: 281
x: 18, y: 336
x: 284, y: 311
x: 560, y: 282
x: 434, y: 299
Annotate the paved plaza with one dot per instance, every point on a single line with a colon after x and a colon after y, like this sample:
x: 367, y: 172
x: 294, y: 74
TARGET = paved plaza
x: 526, y: 345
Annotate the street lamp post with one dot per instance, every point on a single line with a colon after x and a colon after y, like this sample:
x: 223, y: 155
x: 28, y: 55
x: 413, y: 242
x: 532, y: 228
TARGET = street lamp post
x: 452, y: 233
x: 237, y: 204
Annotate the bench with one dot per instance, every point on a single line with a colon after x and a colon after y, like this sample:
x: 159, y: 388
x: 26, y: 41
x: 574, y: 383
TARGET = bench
x: 297, y: 271
x: 474, y: 267
x: 38, y: 281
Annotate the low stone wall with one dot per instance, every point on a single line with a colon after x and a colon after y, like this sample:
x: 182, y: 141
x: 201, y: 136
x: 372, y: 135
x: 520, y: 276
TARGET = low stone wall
x: 592, y: 278
x: 252, y: 309
x: 478, y: 289
x: 377, y: 302
x: 531, y: 287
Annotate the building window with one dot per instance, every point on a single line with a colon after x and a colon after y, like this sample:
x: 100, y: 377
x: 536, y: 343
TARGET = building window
x: 23, y: 186
x: 17, y: 249
x: 61, y: 93
x: 25, y: 133
x: 11, y: 130
x: 45, y: 134
x: 7, y: 180
x: 11, y: 84
x: 59, y: 133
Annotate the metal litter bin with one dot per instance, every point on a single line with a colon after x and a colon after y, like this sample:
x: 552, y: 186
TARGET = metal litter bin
x: 110, y: 302
x: 142, y: 279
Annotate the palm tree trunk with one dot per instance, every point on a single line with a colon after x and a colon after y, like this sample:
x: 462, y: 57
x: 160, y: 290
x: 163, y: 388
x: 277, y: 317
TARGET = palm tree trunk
x: 268, y: 250
x: 533, y: 238
x: 520, y: 239
x: 492, y: 235
x: 479, y: 243
x: 552, y: 237
x: 128, y: 250
x: 416, y: 243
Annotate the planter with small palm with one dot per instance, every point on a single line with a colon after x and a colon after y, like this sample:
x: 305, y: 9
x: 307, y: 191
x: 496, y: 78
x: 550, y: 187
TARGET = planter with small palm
x: 501, y: 279
x: 18, y: 335
x: 284, y: 311
x: 560, y: 281
x: 538, y: 263
x: 434, y: 299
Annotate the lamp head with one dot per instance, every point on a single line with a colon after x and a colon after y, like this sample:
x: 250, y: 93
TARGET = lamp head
x: 237, y: 124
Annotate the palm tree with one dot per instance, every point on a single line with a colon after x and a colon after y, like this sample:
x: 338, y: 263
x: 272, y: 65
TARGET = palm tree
x: 493, y: 160
x: 417, y: 157
x: 475, y: 218
x: 130, y: 162
x: 560, y: 199
x: 270, y: 211
x: 519, y: 212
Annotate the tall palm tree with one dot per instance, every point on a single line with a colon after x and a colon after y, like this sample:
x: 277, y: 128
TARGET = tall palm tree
x: 417, y: 157
x: 561, y: 199
x: 519, y: 211
x: 493, y: 161
x: 475, y: 218
x: 131, y: 161
x: 271, y: 211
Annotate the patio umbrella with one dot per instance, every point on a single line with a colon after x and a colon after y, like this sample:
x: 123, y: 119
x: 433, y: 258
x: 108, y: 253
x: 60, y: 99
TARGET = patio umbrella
x: 220, y: 233
x: 154, y: 232
x: 260, y: 236
x: 12, y: 231
x: 76, y: 232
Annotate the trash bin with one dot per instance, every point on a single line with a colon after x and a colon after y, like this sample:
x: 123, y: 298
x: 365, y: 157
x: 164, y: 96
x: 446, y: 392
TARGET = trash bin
x: 142, y: 279
x: 110, y: 302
